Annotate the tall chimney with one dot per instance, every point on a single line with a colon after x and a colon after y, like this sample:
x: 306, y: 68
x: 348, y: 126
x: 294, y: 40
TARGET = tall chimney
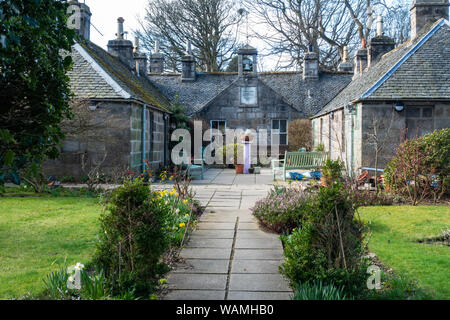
x: 426, y: 12
x: 188, y: 64
x: 345, y: 65
x: 121, y: 48
x: 156, y: 60
x: 140, y: 59
x: 311, y: 65
x: 380, y: 44
x: 360, y: 60
x: 82, y: 21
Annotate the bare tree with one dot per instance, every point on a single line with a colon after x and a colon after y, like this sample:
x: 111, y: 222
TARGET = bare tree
x: 326, y: 25
x: 210, y: 25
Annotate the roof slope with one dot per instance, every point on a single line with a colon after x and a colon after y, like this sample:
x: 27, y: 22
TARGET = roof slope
x: 193, y: 95
x: 415, y: 70
x: 307, y: 96
x: 101, y: 75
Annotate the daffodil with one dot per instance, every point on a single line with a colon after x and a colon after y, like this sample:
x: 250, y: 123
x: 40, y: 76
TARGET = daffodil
x: 185, y: 201
x: 79, y: 266
x: 182, y: 225
x: 186, y: 215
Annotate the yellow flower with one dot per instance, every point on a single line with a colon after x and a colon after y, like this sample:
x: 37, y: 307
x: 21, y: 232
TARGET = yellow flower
x: 186, y: 215
x: 182, y: 225
x: 185, y: 201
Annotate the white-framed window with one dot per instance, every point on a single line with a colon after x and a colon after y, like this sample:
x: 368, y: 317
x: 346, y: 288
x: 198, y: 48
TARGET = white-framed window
x: 282, y: 126
x: 219, y: 125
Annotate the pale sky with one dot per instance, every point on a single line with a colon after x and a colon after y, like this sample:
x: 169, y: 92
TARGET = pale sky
x: 105, y: 14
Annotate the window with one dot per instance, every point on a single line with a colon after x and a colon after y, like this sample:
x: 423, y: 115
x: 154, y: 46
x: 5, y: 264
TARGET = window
x: 219, y: 125
x: 281, y: 126
x: 419, y: 121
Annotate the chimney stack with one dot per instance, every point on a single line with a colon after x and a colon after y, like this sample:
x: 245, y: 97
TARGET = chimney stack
x: 140, y: 59
x: 81, y: 21
x: 121, y: 48
x: 156, y: 60
x: 188, y: 64
x: 426, y: 12
x: 380, y: 44
x: 345, y: 65
x: 311, y: 65
x: 360, y: 60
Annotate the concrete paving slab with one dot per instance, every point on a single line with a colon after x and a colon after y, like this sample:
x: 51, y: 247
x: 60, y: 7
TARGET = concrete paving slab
x: 248, y: 226
x: 195, y: 295
x: 255, y: 234
x: 255, y: 266
x: 215, y: 226
x: 258, y: 282
x: 205, y: 253
x: 200, y: 242
x: 269, y: 243
x: 202, y: 266
x: 258, y: 254
x: 188, y: 281
x: 218, y: 234
x: 258, y: 295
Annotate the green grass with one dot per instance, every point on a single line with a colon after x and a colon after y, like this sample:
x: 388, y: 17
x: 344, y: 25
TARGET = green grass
x: 39, y: 235
x: 395, y: 231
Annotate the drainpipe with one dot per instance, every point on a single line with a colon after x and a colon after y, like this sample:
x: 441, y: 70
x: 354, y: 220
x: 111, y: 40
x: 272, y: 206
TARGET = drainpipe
x: 352, y: 148
x: 144, y: 120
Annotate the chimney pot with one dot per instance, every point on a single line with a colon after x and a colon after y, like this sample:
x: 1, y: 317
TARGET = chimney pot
x: 380, y: 31
x: 121, y: 48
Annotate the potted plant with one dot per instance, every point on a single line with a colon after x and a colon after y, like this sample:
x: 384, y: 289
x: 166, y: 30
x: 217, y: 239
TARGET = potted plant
x: 251, y: 170
x: 257, y: 168
x: 331, y: 172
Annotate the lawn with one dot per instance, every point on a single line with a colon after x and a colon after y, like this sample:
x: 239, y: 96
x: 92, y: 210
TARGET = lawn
x: 39, y: 235
x: 395, y: 231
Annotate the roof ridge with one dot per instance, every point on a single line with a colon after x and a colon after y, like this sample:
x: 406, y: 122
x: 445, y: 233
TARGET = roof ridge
x: 405, y: 57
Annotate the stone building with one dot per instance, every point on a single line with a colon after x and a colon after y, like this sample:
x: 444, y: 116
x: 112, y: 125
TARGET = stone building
x: 249, y: 99
x: 131, y: 113
x: 396, y: 93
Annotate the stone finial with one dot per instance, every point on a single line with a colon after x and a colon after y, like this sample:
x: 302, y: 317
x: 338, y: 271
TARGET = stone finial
x: 345, y: 54
x: 136, y: 44
x: 119, y: 33
x: 156, y: 46
x: 380, y: 31
x: 345, y: 65
x: 188, y: 47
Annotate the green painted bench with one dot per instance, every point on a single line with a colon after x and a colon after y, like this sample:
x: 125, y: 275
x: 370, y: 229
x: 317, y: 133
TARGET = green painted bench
x: 297, y: 160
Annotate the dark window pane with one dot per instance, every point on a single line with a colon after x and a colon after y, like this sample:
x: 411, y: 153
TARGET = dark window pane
x: 283, y: 125
x: 427, y: 112
x: 283, y: 139
x: 412, y: 112
x: 275, y: 124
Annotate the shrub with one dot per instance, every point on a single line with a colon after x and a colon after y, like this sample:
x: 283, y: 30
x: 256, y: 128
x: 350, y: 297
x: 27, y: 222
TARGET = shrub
x: 395, y: 287
x: 316, y: 290
x: 132, y: 239
x: 320, y: 147
x: 329, y: 245
x: 332, y: 171
x: 232, y: 153
x: 300, y: 134
x: 282, y: 210
x: 420, y: 168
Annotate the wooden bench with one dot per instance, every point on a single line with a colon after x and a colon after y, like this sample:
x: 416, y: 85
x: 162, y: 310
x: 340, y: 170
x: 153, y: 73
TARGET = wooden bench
x: 297, y: 160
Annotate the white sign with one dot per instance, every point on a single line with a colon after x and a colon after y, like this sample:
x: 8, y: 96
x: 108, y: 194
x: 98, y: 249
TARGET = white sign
x: 249, y: 95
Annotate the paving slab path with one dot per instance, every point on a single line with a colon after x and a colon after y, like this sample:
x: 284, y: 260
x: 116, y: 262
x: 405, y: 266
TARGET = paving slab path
x: 229, y: 257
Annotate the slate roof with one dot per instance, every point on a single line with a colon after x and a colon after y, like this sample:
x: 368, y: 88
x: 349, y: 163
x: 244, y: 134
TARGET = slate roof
x: 88, y: 82
x: 418, y: 69
x: 193, y: 95
x: 307, y: 96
